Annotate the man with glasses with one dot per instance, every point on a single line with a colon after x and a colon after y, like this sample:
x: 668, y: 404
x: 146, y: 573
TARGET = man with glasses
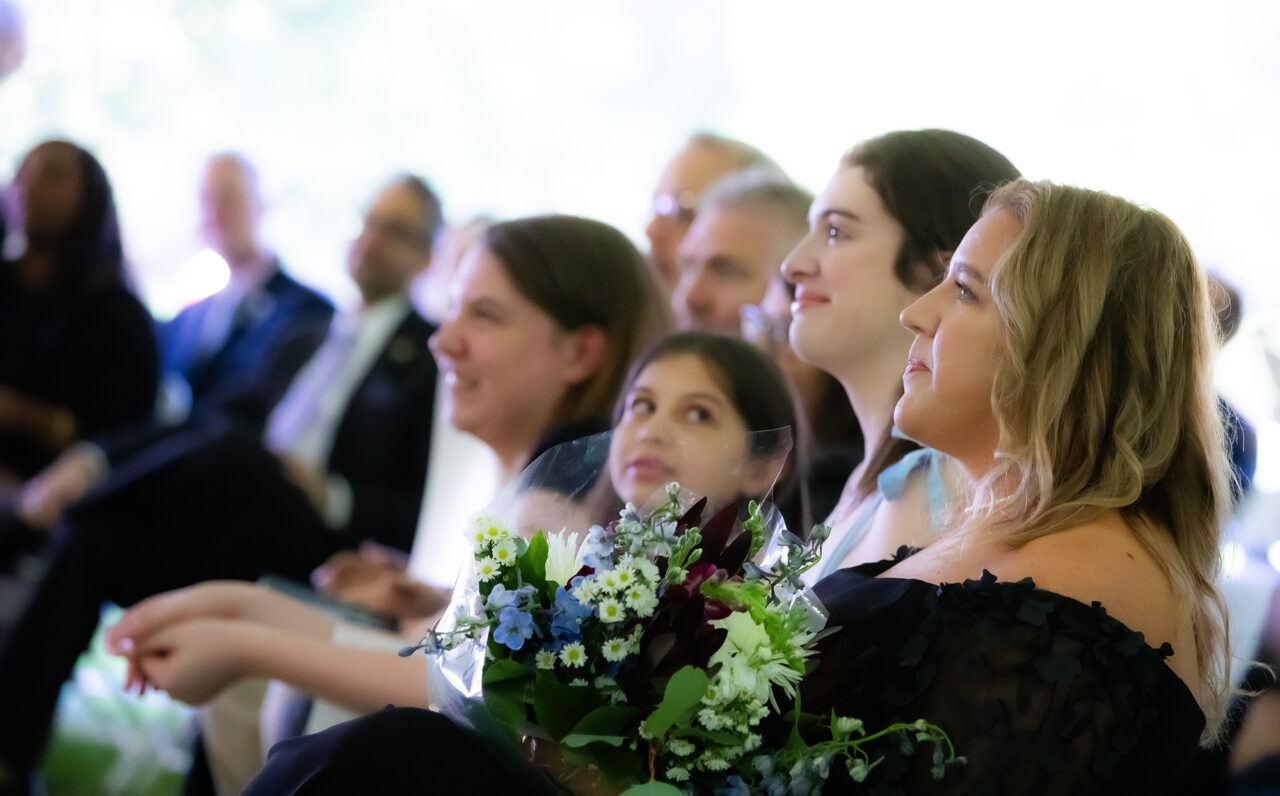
x: 340, y: 458
x: 705, y: 158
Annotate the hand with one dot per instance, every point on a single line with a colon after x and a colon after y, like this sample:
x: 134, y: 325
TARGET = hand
x: 62, y: 483
x: 193, y: 661
x: 212, y: 600
x: 375, y: 577
x: 309, y: 479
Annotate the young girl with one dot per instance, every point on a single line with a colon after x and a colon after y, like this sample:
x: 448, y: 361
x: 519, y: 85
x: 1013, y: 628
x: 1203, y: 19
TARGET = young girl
x: 688, y: 414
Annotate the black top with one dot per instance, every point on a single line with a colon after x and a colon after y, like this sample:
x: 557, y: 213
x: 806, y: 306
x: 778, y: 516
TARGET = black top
x: 93, y: 354
x: 1041, y: 693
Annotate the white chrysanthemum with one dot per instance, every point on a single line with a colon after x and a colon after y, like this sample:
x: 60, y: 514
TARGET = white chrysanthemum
x: 504, y: 552
x: 604, y: 682
x: 642, y: 600
x: 487, y: 569
x: 648, y: 570
x: 609, y: 581
x: 710, y: 719
x: 678, y: 774
x: 564, y: 557
x: 615, y: 649
x: 611, y: 610
x: 486, y: 528
x: 577, y: 681
x: 586, y: 592
x: 752, y: 742
x: 633, y: 640
x: 714, y: 763
x: 574, y: 655
x: 545, y: 659
x: 680, y: 747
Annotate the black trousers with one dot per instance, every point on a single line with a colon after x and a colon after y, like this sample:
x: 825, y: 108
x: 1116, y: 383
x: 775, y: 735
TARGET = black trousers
x: 396, y: 750
x: 203, y: 505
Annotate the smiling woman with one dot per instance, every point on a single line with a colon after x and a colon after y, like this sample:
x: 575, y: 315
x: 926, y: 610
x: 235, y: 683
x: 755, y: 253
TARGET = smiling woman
x: 546, y: 315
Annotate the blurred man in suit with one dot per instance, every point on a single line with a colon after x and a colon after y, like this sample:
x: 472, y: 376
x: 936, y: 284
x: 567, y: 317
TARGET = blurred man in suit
x: 222, y: 344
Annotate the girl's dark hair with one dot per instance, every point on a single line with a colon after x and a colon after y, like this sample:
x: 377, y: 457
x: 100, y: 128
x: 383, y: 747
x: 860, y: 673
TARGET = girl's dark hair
x: 584, y: 273
x: 92, y: 254
x: 934, y: 183
x: 751, y: 380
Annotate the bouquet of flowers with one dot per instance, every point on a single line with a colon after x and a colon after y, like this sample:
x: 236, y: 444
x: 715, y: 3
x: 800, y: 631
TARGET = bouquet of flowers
x: 651, y: 648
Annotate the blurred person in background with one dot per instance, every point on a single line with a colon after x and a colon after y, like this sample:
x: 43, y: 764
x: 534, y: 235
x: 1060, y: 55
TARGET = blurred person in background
x: 77, y: 352
x: 223, y: 344
x: 705, y: 158
x: 746, y: 224
x: 340, y: 458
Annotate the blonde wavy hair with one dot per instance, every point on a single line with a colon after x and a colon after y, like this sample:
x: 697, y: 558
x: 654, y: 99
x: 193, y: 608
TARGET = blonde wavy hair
x: 1103, y: 395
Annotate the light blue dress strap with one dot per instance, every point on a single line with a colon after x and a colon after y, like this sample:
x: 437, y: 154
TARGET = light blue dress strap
x: 857, y: 528
x: 893, y: 481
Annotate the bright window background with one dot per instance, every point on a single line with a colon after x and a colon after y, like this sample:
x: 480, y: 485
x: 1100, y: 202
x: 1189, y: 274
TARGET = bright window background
x: 514, y: 108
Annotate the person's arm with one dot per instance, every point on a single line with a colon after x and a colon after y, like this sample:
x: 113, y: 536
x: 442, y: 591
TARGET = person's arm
x: 231, y: 600
x: 194, y: 660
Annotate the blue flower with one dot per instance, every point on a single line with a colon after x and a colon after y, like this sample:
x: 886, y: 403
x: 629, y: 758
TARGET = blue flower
x: 736, y: 787
x: 597, y: 550
x: 567, y: 614
x: 515, y: 627
x: 502, y: 597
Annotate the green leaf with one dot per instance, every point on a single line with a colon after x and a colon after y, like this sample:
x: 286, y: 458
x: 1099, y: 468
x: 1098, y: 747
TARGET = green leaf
x: 684, y: 691
x: 575, y: 739
x: 559, y: 707
x: 507, y: 669
x: 533, y: 564
x: 611, y: 724
x: 507, y: 703
x: 618, y: 765
x: 653, y: 788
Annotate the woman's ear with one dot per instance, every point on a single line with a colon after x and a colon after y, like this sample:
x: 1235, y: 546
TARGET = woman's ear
x: 585, y: 351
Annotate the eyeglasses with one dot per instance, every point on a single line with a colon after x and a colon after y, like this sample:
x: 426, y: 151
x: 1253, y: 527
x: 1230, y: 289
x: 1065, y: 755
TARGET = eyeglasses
x: 762, y: 329
x: 679, y: 207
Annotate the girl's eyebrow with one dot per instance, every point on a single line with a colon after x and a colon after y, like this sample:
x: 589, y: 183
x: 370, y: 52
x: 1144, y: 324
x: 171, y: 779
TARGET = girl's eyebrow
x: 835, y: 211
x: 705, y: 396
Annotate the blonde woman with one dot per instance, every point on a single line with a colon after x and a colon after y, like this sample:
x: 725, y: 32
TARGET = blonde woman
x: 1065, y: 631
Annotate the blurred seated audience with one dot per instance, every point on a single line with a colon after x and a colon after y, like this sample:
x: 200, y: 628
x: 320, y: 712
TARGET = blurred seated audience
x: 340, y: 458
x: 705, y: 158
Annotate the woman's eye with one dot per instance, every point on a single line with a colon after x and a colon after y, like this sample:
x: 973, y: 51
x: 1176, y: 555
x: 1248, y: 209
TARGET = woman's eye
x: 965, y: 293
x: 640, y: 406
x: 697, y: 414
x: 834, y: 233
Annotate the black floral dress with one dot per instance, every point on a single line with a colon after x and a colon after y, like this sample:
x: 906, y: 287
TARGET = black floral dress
x: 1041, y: 693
